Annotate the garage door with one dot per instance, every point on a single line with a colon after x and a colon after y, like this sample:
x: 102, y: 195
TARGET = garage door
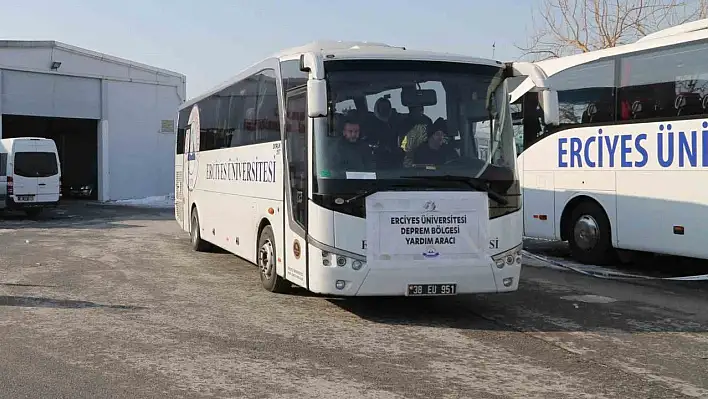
x: 38, y: 94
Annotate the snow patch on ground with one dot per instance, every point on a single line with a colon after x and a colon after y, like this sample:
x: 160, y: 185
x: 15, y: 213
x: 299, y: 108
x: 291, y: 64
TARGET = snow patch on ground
x: 160, y: 201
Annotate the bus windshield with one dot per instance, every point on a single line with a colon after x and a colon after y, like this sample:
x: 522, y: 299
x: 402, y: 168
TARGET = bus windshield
x: 390, y: 119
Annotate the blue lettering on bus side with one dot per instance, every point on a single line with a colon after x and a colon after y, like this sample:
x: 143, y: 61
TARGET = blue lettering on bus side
x: 687, y: 149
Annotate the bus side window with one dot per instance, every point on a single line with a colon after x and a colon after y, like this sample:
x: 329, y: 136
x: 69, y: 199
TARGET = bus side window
x: 586, y: 93
x: 3, y: 165
x: 671, y: 82
x: 268, y: 126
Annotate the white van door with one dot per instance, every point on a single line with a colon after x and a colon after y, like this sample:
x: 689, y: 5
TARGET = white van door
x: 48, y: 172
x: 23, y: 175
x: 35, y: 171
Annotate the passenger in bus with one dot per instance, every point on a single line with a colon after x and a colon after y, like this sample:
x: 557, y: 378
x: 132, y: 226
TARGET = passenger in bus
x: 435, y: 151
x: 349, y: 152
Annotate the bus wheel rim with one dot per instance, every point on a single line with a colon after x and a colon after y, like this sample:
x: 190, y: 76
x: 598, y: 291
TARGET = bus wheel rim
x: 265, y: 258
x: 586, y: 232
x: 195, y: 229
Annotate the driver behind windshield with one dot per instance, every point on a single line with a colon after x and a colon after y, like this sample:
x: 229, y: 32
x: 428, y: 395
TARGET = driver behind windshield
x: 435, y: 151
x: 349, y: 152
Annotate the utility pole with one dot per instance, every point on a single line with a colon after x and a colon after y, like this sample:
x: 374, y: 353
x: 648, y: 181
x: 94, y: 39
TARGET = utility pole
x: 494, y: 48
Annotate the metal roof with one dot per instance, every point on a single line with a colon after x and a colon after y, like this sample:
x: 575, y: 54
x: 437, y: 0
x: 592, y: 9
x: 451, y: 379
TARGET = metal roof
x: 51, y: 44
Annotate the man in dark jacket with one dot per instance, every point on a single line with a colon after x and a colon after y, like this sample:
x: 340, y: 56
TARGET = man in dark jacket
x: 350, y: 152
x: 435, y: 151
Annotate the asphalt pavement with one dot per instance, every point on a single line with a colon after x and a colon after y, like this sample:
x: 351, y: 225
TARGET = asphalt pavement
x: 100, y: 302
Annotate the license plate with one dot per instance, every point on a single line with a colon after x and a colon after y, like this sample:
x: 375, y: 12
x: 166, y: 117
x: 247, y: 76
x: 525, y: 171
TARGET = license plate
x: 431, y: 289
x: 25, y: 197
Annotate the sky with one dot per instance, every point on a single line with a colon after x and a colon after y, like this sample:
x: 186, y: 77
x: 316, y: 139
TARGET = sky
x: 210, y: 41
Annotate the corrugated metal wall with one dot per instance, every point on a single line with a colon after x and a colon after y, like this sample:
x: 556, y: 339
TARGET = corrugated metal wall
x: 38, y: 94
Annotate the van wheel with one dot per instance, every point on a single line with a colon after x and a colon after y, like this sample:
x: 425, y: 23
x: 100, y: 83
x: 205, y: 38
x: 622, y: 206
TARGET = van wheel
x: 589, y: 236
x: 33, y: 212
x: 198, y: 244
x: 267, y: 257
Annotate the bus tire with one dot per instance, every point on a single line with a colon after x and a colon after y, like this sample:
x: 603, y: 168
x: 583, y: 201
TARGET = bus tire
x: 589, y: 235
x: 198, y: 244
x: 266, y: 258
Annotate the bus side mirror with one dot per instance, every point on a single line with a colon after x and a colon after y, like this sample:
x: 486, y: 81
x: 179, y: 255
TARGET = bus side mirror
x: 316, y: 98
x: 549, y: 104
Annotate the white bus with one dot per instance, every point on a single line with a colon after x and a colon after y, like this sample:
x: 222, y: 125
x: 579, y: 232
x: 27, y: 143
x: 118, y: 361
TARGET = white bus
x: 324, y: 166
x: 626, y: 169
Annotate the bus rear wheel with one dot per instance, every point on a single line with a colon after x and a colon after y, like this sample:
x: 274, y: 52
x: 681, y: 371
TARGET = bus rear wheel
x: 589, y: 236
x: 266, y: 258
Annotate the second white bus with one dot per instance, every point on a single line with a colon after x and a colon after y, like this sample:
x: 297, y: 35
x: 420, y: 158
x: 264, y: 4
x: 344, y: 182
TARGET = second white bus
x: 355, y: 169
x: 628, y: 165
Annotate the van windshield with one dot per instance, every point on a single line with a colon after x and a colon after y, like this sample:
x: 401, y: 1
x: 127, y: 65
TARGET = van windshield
x: 36, y: 164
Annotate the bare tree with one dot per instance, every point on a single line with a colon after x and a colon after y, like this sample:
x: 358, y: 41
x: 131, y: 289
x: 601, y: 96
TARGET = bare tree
x: 564, y: 27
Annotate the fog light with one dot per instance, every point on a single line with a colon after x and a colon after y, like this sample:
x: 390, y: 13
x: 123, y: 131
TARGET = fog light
x: 341, y: 261
x: 508, y: 281
x: 356, y: 265
x: 339, y: 284
x: 325, y: 262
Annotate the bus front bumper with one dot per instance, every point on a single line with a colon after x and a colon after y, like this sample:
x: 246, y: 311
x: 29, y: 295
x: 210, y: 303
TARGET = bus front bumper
x: 435, y: 278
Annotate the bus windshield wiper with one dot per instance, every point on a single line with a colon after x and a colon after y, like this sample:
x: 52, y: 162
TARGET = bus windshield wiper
x: 476, y: 184
x: 369, y: 191
x: 362, y: 193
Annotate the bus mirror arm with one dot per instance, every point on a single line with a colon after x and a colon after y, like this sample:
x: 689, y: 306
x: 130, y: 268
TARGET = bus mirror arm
x: 548, y: 98
x: 316, y: 85
x: 549, y: 104
x: 316, y: 98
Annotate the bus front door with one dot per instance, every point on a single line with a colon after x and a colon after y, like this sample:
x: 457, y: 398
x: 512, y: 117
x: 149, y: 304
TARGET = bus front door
x: 191, y: 162
x: 296, y: 161
x: 185, y: 187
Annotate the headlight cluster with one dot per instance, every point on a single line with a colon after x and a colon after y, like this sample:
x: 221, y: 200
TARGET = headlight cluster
x: 330, y: 259
x: 508, y: 258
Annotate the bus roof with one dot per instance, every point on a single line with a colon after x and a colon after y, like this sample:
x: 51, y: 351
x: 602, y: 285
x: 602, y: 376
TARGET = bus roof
x: 348, y: 50
x: 683, y: 33
x: 372, y: 50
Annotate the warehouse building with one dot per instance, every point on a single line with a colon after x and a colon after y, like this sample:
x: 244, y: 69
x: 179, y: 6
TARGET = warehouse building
x: 113, y: 120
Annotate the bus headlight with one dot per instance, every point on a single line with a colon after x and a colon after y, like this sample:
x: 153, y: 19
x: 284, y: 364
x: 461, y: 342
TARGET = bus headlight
x: 508, y: 258
x: 330, y: 259
x: 325, y: 258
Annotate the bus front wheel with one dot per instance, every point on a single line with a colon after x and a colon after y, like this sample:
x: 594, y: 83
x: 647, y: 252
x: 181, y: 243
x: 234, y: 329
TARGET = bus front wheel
x: 589, y: 236
x: 198, y: 244
x: 266, y: 258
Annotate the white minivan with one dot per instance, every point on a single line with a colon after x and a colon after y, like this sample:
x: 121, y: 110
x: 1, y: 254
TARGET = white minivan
x: 30, y: 174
